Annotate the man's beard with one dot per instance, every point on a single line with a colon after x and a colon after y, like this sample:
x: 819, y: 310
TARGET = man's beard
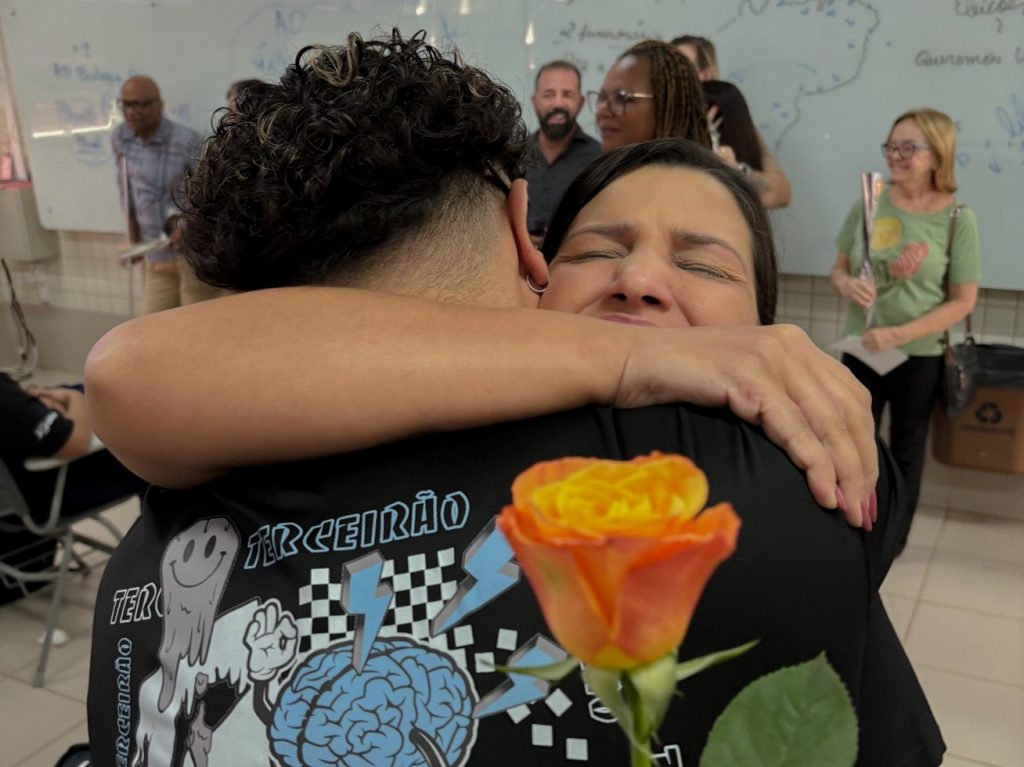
x: 557, y: 131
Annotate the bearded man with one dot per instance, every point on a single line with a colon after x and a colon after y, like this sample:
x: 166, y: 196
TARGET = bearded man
x: 560, y: 149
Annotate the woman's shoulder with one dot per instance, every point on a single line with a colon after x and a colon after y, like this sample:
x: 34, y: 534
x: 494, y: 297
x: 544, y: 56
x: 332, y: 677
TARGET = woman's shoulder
x: 965, y: 214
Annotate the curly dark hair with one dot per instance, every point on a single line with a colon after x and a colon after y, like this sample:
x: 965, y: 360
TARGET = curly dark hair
x: 360, y: 148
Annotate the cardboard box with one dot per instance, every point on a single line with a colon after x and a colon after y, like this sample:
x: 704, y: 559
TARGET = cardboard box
x: 988, y: 435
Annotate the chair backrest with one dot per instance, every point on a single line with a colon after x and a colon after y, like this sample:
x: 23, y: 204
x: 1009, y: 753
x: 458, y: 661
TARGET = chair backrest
x: 12, y: 502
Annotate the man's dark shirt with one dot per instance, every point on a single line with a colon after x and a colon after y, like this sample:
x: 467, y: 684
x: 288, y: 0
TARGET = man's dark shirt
x: 549, y: 182
x: 228, y: 621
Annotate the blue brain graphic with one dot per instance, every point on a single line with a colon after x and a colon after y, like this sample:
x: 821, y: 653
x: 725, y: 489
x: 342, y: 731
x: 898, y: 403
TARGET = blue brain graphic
x: 330, y: 715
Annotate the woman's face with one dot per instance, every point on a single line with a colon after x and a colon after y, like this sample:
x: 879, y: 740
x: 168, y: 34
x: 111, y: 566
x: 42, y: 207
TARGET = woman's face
x: 919, y: 166
x: 631, y: 74
x: 690, y: 52
x: 662, y: 246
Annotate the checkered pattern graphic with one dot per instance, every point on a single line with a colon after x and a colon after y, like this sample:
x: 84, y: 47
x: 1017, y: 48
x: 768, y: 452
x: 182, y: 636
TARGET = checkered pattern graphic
x: 422, y: 584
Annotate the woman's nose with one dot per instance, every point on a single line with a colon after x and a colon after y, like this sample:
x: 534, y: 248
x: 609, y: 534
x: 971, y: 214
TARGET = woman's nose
x: 641, y: 281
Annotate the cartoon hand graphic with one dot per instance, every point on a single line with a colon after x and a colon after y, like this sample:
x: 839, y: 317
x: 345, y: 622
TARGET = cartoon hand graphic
x: 271, y: 638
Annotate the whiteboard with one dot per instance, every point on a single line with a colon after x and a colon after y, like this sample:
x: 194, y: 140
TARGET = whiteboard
x: 824, y: 81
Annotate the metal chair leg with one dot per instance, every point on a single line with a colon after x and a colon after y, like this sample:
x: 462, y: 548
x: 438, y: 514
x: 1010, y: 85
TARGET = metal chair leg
x: 81, y: 566
x: 110, y: 526
x: 51, y: 618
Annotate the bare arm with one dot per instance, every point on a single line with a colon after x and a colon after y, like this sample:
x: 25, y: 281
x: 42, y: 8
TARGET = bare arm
x: 958, y: 305
x: 184, y: 395
x: 771, y: 180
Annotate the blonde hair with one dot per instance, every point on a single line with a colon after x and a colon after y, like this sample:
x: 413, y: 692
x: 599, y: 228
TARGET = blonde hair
x: 940, y: 131
x: 707, y: 56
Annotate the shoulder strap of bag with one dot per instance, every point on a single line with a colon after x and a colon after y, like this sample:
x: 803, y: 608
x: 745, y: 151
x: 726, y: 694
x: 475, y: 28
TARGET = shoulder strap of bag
x: 954, y: 214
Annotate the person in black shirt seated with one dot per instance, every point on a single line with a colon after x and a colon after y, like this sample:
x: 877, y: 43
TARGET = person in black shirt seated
x: 54, y: 422
x: 351, y: 609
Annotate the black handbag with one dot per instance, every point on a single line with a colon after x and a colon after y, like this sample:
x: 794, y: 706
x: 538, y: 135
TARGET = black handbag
x: 960, y: 372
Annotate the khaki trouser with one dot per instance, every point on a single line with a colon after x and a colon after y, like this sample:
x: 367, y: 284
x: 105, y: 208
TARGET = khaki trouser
x: 173, y: 283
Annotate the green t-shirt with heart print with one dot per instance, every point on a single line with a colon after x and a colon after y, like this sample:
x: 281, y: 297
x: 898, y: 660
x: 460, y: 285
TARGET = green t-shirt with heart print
x: 908, y: 260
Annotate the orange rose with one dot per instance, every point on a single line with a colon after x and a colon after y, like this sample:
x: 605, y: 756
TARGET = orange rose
x: 616, y: 553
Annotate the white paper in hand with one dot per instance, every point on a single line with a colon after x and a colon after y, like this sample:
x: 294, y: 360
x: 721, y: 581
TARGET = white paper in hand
x: 137, y: 251
x: 880, y: 362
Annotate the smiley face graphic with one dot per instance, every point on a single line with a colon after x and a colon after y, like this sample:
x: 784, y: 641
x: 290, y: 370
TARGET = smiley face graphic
x: 199, y: 553
x: 194, y: 572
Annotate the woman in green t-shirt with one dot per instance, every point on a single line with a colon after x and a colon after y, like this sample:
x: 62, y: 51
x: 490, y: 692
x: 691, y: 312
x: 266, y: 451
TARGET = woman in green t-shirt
x: 911, y: 305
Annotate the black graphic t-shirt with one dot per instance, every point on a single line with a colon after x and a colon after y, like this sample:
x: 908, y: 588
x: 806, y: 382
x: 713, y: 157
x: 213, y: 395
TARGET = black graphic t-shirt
x: 351, y: 610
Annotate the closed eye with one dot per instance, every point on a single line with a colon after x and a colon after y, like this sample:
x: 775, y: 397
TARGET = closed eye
x: 703, y: 268
x: 587, y: 255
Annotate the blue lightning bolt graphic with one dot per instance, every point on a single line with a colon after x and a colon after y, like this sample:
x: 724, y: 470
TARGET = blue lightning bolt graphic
x: 366, y: 599
x: 488, y: 560
x: 519, y: 689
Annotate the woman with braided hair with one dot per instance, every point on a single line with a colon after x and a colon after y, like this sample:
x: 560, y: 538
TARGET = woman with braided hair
x: 651, y: 92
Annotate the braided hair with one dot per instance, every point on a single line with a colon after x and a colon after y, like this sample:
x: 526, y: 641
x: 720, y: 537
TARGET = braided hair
x: 679, y: 108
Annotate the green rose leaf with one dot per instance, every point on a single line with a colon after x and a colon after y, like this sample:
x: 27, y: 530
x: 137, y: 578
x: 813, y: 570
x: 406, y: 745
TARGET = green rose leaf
x: 793, y: 717
x: 688, y: 668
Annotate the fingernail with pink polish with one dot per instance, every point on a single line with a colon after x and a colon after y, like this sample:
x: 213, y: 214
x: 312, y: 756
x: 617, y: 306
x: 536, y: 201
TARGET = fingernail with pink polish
x: 840, y: 499
x: 874, y: 506
x: 865, y: 510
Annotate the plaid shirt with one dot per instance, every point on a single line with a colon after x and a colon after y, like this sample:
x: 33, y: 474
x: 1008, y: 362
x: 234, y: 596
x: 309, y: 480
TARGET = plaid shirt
x: 154, y: 169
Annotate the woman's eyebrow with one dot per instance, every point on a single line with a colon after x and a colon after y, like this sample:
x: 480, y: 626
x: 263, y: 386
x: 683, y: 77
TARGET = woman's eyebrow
x: 687, y: 238
x: 611, y: 231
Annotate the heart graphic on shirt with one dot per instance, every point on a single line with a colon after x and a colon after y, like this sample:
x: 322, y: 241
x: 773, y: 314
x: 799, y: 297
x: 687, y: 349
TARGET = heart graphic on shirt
x: 909, y: 261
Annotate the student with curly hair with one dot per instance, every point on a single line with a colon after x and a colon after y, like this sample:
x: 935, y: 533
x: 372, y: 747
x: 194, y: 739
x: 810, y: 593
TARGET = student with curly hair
x: 321, y: 611
x: 312, y: 183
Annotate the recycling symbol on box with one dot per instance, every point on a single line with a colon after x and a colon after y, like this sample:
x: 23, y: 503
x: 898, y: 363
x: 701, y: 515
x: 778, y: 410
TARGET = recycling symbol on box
x: 989, y: 413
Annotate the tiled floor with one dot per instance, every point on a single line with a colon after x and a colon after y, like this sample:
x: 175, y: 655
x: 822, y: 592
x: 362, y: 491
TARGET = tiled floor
x: 956, y: 597
x: 37, y: 725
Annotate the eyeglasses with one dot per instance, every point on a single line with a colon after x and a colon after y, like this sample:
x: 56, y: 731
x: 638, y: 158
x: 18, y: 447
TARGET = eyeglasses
x: 132, y: 104
x: 904, y: 150
x: 615, y: 101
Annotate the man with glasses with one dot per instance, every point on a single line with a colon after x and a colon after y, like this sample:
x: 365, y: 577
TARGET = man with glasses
x: 560, y: 149
x: 152, y: 153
